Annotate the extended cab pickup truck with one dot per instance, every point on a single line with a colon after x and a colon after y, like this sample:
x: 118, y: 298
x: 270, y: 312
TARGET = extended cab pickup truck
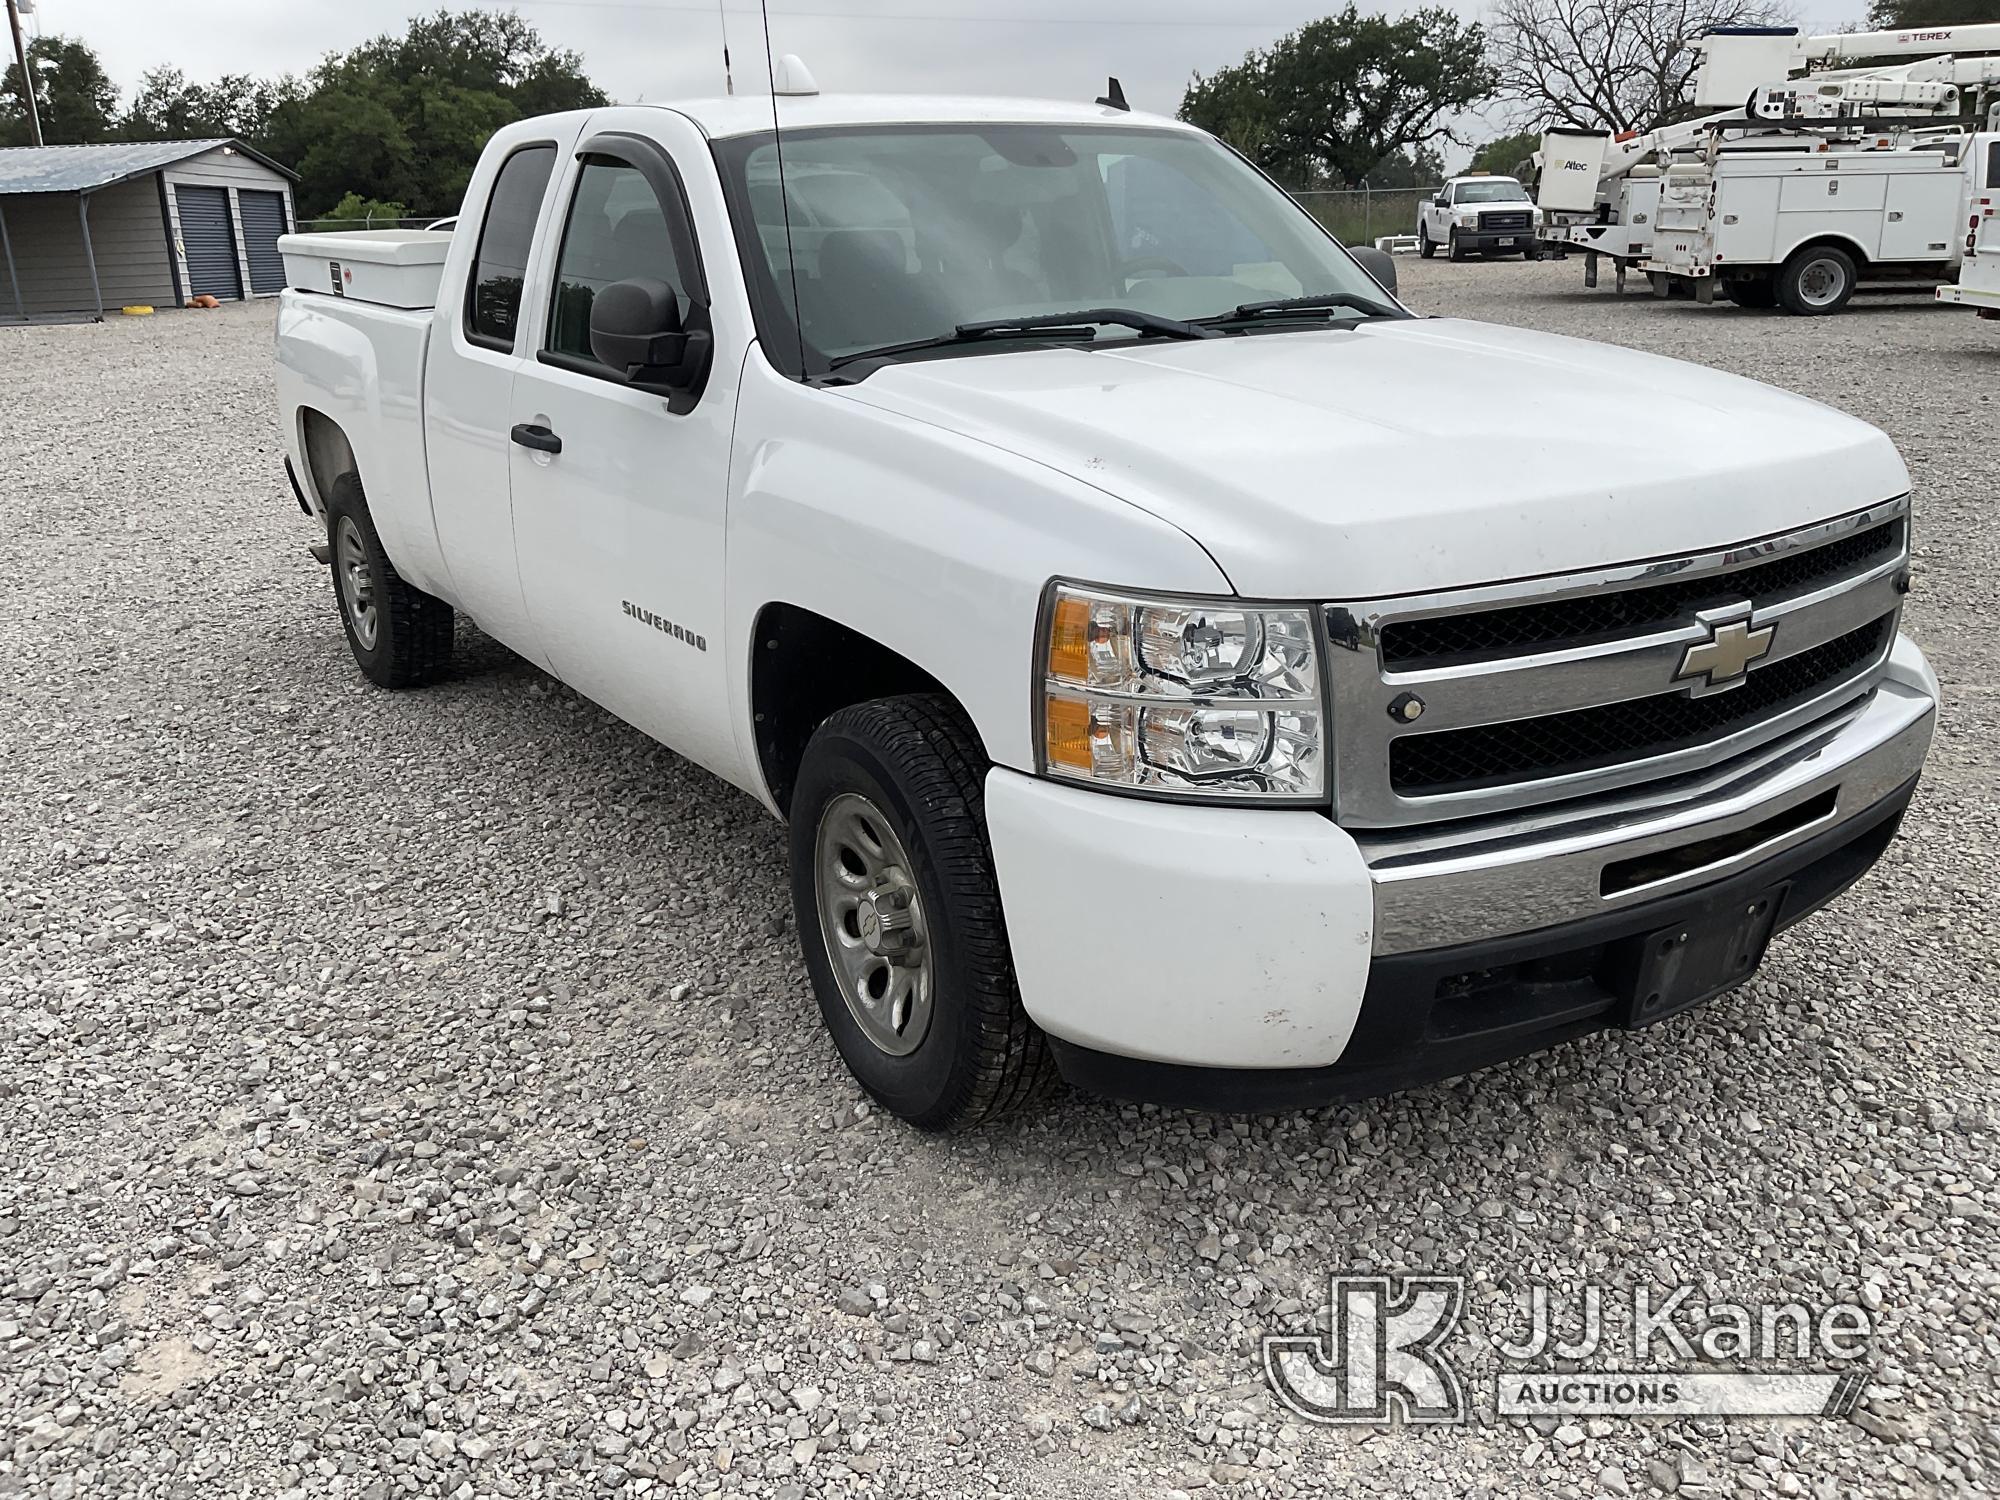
x: 1015, y: 498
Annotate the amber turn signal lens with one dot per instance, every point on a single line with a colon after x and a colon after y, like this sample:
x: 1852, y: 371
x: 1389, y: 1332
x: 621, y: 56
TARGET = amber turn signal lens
x: 1068, y: 732
x: 1069, y: 640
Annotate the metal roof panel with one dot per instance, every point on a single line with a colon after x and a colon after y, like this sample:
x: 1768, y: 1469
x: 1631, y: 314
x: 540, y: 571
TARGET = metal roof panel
x: 81, y: 169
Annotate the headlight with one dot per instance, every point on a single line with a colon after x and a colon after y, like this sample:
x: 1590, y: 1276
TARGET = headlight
x: 1468, y: 221
x: 1185, y: 697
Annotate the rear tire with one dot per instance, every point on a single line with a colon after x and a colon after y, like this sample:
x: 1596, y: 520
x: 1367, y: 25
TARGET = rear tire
x: 1755, y: 292
x: 400, y: 636
x: 1816, y: 281
x: 1426, y: 247
x: 888, y: 830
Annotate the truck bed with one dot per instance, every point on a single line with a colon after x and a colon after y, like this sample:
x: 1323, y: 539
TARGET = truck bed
x: 363, y: 366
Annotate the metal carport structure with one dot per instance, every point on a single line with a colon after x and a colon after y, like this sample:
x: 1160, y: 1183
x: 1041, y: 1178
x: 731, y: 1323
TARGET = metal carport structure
x: 136, y: 252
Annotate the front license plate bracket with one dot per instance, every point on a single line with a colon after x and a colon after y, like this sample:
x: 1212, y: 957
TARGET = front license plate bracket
x: 1714, y: 951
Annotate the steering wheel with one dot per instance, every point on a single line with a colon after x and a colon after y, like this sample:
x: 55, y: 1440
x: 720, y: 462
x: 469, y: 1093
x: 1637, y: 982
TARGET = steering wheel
x: 1133, y: 270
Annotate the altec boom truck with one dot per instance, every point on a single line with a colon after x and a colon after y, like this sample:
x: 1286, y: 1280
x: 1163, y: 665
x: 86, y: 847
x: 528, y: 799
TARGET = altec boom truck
x: 1751, y: 198
x: 1978, y: 285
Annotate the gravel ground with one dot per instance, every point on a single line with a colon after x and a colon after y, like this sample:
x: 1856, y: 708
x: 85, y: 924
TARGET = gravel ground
x: 419, y: 1094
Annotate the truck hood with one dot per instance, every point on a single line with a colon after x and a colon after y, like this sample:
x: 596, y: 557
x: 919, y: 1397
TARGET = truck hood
x: 1399, y: 457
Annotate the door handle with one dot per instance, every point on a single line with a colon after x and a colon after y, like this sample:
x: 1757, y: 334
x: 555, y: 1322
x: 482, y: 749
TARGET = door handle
x: 534, y: 435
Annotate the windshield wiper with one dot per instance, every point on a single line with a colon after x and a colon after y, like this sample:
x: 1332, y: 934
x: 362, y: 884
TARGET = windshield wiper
x: 1122, y: 317
x: 1320, y: 302
x: 1068, y: 325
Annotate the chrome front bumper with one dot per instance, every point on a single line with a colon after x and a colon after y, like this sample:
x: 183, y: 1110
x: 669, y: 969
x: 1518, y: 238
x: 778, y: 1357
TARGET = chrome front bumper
x: 1459, y: 883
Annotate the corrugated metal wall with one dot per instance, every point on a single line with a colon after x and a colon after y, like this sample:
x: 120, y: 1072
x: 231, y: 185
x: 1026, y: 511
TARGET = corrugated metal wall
x: 125, y: 231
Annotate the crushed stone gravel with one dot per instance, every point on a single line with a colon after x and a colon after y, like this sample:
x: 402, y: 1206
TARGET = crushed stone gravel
x: 419, y: 1094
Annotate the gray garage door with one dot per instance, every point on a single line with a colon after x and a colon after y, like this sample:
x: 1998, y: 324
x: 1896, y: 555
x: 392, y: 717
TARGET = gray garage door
x: 211, y: 246
x: 263, y: 221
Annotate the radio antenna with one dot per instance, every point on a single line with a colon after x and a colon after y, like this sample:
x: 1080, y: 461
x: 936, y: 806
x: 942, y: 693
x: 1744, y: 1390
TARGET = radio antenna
x: 728, y: 78
x: 784, y: 194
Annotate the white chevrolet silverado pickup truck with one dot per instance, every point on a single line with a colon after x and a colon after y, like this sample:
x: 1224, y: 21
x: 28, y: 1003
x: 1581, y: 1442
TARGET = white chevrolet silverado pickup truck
x: 1015, y: 498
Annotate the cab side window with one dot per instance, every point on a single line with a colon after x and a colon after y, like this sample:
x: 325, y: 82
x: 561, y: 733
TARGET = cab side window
x: 500, y: 267
x: 617, y: 231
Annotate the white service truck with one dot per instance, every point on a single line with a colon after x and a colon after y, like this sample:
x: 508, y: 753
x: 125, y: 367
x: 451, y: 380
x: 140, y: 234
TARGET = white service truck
x: 1748, y: 200
x: 1800, y: 226
x: 1978, y: 285
x: 1477, y: 214
x: 1028, y: 522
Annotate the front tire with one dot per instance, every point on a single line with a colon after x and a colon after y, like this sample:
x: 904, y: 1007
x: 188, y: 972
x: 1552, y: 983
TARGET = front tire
x: 1452, y: 250
x: 400, y: 636
x: 1816, y: 281
x: 899, y: 916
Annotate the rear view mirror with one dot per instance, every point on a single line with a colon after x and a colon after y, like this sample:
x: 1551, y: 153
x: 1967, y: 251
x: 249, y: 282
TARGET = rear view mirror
x: 1377, y: 263
x: 636, y: 330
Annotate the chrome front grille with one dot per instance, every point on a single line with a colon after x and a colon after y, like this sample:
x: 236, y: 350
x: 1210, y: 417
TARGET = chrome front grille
x: 1486, y: 700
x: 1588, y: 617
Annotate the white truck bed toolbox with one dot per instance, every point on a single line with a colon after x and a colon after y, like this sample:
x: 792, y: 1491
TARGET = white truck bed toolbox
x: 391, y: 267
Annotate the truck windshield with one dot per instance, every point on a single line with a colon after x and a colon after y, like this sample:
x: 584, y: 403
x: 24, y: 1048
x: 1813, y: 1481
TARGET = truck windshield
x: 906, y: 233
x: 1507, y: 191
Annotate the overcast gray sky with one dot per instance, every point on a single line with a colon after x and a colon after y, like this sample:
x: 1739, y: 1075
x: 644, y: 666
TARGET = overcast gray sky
x: 662, y: 49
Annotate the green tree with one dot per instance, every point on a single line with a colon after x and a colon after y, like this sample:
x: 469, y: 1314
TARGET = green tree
x: 77, y: 102
x: 166, y: 107
x: 1337, y: 98
x: 1422, y: 167
x: 400, y: 119
x: 1926, y: 15
x: 356, y: 212
x: 1503, y: 157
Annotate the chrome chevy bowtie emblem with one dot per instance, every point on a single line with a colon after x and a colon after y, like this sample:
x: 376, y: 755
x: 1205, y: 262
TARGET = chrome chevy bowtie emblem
x: 1722, y: 660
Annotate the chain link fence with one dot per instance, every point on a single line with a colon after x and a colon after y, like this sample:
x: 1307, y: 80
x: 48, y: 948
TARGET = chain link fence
x: 1355, y: 216
x: 326, y: 226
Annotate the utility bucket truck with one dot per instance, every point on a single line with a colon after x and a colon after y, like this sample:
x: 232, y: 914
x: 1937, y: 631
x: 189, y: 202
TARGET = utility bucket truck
x: 1804, y: 186
x: 1978, y: 284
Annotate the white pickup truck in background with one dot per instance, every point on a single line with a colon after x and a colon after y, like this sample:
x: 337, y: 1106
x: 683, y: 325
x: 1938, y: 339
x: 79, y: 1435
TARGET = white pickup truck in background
x: 1479, y: 213
x: 1015, y: 497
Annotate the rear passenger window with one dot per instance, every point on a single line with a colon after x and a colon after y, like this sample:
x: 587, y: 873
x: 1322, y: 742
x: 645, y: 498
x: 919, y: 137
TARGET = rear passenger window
x: 617, y: 231
x: 498, y: 270
x: 1993, y: 165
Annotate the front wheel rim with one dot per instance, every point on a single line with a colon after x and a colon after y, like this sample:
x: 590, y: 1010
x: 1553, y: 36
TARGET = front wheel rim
x: 1821, y: 282
x: 872, y: 921
x: 357, y: 582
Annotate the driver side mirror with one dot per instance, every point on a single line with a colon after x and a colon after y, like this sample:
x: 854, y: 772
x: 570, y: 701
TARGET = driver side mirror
x: 1377, y: 263
x: 637, y: 331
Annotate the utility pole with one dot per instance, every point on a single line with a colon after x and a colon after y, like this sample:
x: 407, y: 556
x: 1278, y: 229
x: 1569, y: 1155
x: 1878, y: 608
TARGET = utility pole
x: 27, y: 78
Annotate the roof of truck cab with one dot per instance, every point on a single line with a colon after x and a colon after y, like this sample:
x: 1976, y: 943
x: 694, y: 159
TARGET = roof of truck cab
x: 750, y: 114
